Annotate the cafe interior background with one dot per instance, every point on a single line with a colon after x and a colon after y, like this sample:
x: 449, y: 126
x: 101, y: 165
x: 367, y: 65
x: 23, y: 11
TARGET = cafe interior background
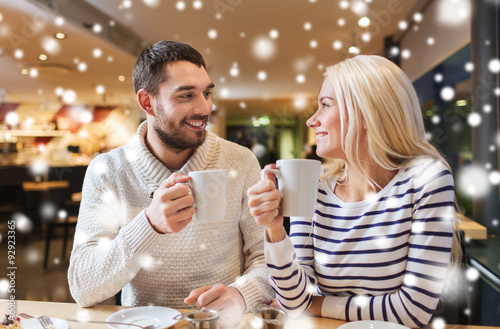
x: 66, y: 96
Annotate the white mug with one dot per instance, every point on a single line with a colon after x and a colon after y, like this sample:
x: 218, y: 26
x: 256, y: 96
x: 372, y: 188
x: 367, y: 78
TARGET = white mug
x: 209, y: 192
x: 298, y: 185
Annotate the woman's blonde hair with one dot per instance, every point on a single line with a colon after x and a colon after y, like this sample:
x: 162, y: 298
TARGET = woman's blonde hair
x: 375, y: 95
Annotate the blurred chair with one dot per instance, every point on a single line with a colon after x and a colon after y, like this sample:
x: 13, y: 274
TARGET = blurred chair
x: 67, y: 222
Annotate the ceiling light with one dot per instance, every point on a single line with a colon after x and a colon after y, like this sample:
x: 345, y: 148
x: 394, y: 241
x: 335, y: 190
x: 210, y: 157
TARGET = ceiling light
x: 25, y: 71
x: 354, y: 50
x: 364, y: 22
x: 43, y: 57
x: 60, y: 35
x: 121, y: 78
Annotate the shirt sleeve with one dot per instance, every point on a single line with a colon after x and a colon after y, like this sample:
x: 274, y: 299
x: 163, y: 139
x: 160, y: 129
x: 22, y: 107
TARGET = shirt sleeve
x: 414, y: 303
x: 291, y: 267
x: 100, y: 244
x: 253, y: 284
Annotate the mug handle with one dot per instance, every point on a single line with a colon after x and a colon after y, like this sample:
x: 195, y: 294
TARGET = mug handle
x: 190, y: 186
x: 277, y: 174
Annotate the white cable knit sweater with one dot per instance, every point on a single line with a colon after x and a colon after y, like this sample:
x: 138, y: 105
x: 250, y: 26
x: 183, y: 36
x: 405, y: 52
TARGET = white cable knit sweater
x: 116, y: 248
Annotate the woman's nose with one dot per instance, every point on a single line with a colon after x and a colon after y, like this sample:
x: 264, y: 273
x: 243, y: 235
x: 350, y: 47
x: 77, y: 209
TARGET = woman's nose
x: 312, y: 121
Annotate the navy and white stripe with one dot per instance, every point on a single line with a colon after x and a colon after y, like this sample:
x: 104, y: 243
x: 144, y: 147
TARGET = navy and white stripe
x: 384, y: 258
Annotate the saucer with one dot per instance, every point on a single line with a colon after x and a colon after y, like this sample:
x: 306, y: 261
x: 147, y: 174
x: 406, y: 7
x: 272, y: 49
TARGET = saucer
x: 35, y: 324
x: 160, y: 316
x: 368, y: 324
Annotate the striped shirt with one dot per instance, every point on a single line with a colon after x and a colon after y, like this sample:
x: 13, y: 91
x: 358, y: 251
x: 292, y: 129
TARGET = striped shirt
x: 383, y: 258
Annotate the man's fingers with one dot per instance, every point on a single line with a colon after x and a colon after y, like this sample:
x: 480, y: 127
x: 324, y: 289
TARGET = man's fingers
x: 194, y: 294
x: 174, y: 179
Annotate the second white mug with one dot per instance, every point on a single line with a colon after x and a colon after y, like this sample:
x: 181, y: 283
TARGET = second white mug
x: 298, y: 185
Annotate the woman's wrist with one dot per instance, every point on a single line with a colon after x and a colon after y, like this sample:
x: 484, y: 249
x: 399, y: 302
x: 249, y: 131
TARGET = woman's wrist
x: 275, y: 234
x: 316, y: 306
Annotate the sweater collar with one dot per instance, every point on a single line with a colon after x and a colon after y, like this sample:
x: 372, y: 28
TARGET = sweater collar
x: 154, y: 171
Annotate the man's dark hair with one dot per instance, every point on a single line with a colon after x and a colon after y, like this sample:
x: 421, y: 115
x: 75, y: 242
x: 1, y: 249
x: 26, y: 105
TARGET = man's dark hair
x: 148, y: 71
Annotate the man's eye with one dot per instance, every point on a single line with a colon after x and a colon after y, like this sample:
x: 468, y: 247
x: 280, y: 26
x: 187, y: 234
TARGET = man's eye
x: 207, y: 94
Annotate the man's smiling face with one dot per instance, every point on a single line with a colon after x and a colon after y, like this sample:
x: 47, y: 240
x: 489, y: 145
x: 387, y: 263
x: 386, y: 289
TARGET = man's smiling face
x: 183, y: 105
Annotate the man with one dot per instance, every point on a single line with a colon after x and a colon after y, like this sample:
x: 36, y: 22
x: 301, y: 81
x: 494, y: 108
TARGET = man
x: 135, y: 230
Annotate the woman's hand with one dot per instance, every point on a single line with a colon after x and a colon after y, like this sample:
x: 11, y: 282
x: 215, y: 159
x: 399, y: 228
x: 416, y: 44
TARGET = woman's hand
x: 264, y: 200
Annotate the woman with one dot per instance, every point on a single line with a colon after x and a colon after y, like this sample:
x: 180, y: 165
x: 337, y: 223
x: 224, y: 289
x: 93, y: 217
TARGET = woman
x: 380, y: 242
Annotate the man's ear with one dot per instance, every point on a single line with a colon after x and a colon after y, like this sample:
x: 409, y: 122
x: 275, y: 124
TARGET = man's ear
x: 145, y: 101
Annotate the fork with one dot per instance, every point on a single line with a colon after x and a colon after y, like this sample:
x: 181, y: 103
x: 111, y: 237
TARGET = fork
x: 44, y: 320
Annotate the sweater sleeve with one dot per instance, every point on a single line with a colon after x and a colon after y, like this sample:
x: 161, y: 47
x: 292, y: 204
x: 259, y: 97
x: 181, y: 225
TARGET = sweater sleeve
x: 415, y: 301
x: 253, y: 284
x: 105, y: 257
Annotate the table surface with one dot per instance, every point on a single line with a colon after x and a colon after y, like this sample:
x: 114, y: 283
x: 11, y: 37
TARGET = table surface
x: 101, y: 312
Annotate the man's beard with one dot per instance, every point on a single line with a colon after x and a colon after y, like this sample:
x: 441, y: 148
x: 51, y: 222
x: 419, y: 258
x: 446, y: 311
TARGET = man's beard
x: 172, y: 135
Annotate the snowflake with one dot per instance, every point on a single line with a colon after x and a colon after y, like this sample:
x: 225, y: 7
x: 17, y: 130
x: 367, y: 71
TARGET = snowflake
x: 472, y: 274
x: 361, y: 300
x: 438, y: 323
x: 263, y: 48
x: 473, y: 180
x: 410, y: 280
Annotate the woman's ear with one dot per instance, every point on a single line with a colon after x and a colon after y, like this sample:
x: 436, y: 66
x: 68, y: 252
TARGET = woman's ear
x: 145, y: 101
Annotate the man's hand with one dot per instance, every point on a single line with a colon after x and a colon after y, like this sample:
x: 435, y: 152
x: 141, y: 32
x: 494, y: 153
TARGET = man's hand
x: 171, y: 209
x: 227, y: 300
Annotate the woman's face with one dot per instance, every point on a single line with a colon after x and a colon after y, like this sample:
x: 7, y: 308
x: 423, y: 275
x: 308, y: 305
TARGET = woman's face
x: 326, y: 123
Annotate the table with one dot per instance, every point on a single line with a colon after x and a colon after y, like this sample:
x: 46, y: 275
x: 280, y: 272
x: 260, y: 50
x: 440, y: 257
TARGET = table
x: 45, y: 186
x: 101, y: 312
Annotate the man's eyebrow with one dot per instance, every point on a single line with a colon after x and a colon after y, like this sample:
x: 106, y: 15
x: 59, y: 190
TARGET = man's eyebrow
x: 187, y: 87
